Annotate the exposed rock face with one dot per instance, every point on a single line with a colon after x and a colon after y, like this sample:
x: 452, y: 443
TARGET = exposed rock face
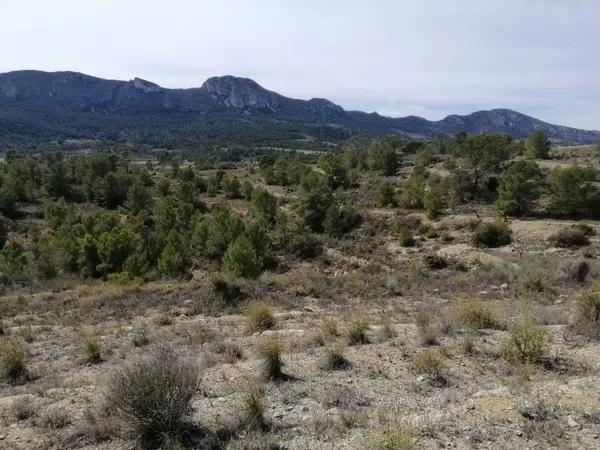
x: 241, y: 93
x: 46, y: 102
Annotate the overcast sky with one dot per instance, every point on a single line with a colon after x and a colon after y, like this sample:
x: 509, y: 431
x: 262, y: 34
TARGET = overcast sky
x: 398, y: 57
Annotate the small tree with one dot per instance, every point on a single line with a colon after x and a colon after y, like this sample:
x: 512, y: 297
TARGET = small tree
x: 232, y: 187
x: 519, y: 188
x: 171, y: 261
x: 264, y: 205
x: 573, y: 192
x: 433, y: 201
x: 340, y: 219
x: 13, y: 261
x: 538, y: 145
x: 241, y: 259
x: 386, y: 194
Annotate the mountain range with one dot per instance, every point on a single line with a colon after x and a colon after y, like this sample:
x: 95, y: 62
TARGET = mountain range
x: 37, y: 107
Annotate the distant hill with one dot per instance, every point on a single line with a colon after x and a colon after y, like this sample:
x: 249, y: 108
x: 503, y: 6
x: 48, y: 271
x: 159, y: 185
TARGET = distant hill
x: 36, y: 107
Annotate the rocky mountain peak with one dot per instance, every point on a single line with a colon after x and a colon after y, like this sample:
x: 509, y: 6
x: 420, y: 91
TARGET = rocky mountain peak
x: 241, y: 93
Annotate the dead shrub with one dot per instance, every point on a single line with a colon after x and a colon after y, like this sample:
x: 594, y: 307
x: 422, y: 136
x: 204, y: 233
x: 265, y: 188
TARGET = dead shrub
x: 153, y: 395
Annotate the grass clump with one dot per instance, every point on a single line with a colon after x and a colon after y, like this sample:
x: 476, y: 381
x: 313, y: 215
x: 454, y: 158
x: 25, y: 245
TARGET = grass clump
x: 26, y: 333
x: 396, y: 438
x: 587, y: 314
x: 23, y: 408
x: 259, y: 317
x: 92, y: 349
x: 335, y: 359
x: 357, y: 334
x: 271, y: 350
x: 492, y: 234
x: 429, y: 362
x: 429, y: 331
x: 154, y: 395
x: 13, y: 368
x: 527, y: 344
x: 254, y: 407
x: 330, y: 327
x: 474, y: 313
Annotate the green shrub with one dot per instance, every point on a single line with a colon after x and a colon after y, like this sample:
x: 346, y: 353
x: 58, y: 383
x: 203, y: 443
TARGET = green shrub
x: 492, y: 234
x: 154, y: 395
x: 570, y: 238
x: 241, y: 259
x: 587, y: 314
x: 473, y: 313
x: 405, y: 237
x: 340, y: 220
x: 357, y: 334
x: 386, y: 194
x: 528, y: 344
x: 12, y: 362
x: 259, y: 317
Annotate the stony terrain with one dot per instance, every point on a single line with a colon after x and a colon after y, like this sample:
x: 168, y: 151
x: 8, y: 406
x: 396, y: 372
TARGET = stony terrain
x: 478, y: 401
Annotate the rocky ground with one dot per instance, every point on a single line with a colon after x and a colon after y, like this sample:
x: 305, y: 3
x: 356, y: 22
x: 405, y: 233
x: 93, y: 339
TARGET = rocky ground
x: 476, y: 400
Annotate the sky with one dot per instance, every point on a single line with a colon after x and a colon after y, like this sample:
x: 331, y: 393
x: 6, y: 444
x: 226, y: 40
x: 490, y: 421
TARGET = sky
x: 423, y: 57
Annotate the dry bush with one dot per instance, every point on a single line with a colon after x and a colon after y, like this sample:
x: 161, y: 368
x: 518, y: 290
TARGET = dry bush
x: 429, y: 330
x: 357, y: 333
x: 535, y: 282
x: 23, y: 408
x: 388, y: 328
x: 26, y: 333
x: 259, y: 317
x: 330, y: 327
x: 271, y: 350
x: 154, y: 394
x: 527, y: 344
x: 55, y: 418
x: 474, y: 313
x: 140, y: 338
x: 587, y: 314
x: 429, y: 362
x: 92, y: 349
x: 396, y: 438
x: 335, y: 359
x: 13, y: 368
